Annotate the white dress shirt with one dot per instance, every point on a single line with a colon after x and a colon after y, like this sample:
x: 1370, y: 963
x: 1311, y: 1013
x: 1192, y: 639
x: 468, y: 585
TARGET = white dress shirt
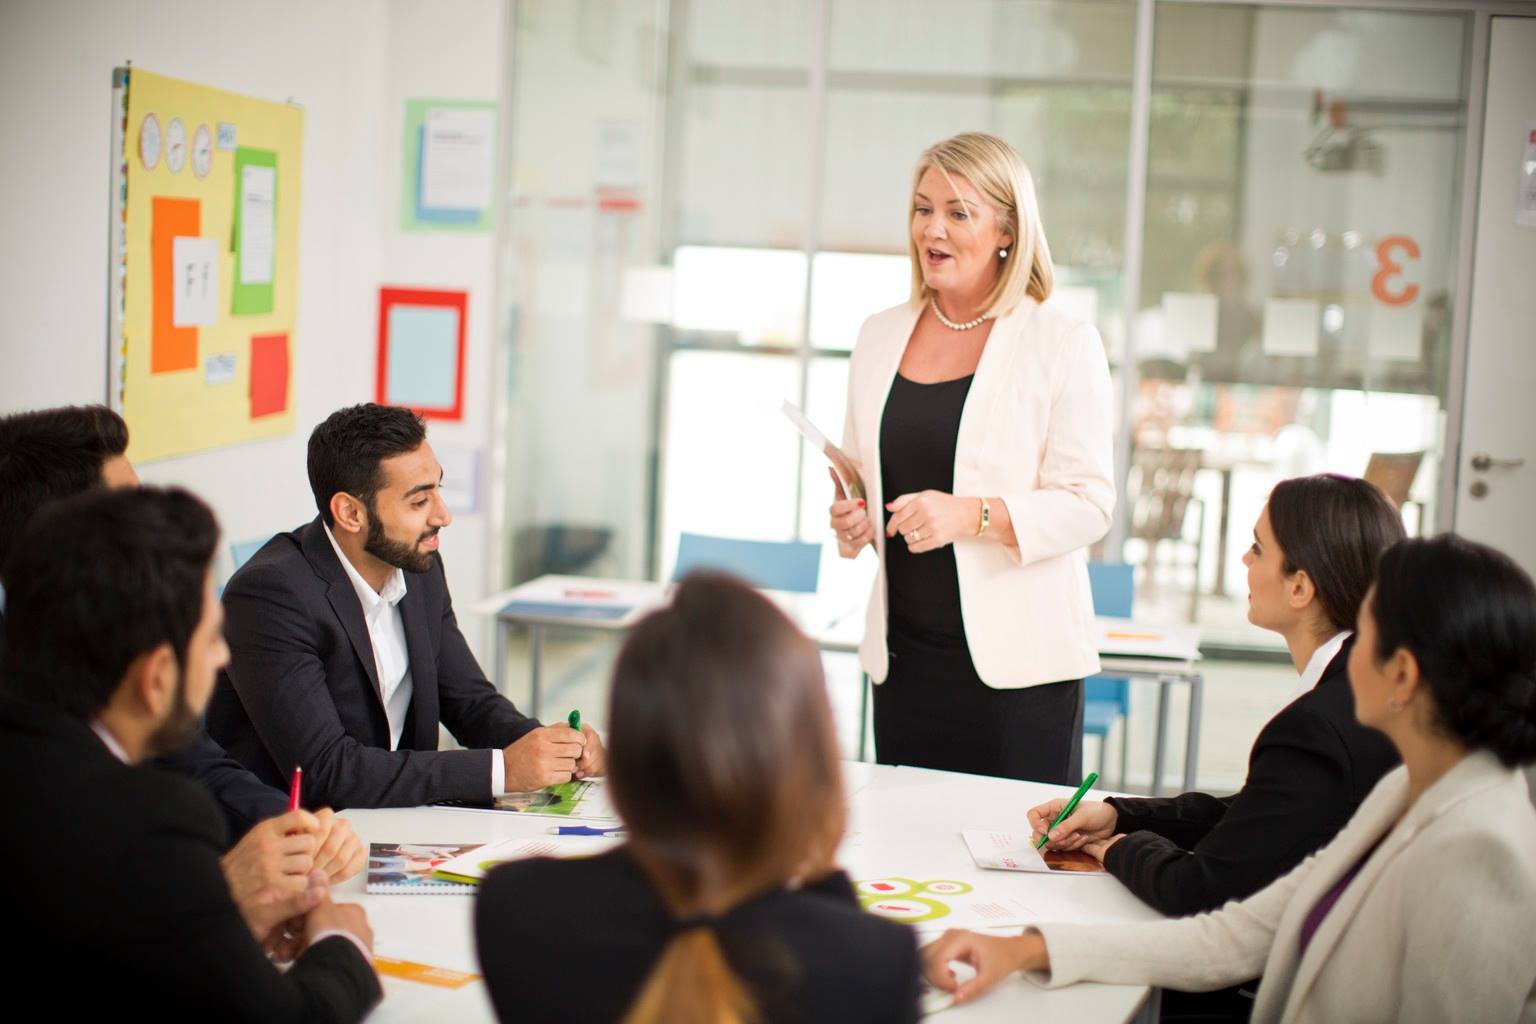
x: 111, y: 741
x: 391, y: 657
x: 386, y: 634
x: 1320, y: 660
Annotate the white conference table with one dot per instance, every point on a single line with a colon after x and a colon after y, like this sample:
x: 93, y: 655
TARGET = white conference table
x: 1165, y: 655
x: 903, y: 822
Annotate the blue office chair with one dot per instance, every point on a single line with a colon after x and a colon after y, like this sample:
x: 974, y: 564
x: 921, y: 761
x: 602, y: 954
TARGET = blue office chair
x: 241, y: 551
x: 1106, y: 698
x: 790, y: 565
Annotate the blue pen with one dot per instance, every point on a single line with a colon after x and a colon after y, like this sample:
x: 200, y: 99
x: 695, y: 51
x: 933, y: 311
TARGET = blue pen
x: 583, y: 830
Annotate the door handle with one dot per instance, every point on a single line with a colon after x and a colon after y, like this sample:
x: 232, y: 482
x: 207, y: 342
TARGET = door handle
x: 1483, y: 462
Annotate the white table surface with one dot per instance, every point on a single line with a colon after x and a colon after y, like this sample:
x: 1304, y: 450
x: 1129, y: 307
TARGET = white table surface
x: 902, y: 821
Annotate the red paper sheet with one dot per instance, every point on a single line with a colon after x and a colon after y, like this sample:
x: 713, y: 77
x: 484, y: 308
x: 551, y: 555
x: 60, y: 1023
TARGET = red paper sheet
x: 269, y: 374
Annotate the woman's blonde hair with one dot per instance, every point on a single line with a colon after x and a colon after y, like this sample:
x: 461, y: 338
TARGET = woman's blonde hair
x: 723, y: 764
x: 1003, y: 179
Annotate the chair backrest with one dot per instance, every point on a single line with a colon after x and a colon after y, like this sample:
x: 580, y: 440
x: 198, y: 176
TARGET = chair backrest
x: 1393, y: 472
x: 1114, y: 690
x: 1162, y: 481
x: 790, y: 565
x: 1114, y: 588
x: 240, y: 551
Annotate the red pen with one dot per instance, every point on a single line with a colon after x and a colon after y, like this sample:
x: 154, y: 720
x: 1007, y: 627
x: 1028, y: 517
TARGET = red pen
x: 294, y: 788
x: 595, y: 595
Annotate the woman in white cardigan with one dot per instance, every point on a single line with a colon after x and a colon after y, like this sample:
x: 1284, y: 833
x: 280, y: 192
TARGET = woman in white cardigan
x: 980, y: 421
x: 1424, y: 906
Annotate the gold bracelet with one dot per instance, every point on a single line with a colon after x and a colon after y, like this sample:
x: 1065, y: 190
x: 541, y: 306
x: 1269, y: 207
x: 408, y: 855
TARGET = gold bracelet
x: 986, y: 517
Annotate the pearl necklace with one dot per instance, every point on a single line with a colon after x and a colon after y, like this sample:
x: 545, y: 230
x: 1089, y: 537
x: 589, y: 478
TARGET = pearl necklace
x: 947, y: 322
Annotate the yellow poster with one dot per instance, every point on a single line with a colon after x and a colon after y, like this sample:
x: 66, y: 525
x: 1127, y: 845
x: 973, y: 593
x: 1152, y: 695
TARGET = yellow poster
x: 207, y: 265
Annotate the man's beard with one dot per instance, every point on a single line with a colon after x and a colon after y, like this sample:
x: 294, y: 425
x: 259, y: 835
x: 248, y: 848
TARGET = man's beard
x: 173, y: 734
x: 392, y: 552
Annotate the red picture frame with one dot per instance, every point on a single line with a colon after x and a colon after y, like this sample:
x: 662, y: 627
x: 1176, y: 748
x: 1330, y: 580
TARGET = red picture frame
x: 389, y: 299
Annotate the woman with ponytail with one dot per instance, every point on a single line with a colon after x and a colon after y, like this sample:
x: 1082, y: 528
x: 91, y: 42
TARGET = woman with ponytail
x: 1422, y: 908
x: 724, y: 905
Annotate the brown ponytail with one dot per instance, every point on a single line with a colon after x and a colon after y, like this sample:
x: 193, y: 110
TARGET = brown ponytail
x: 692, y: 982
x: 723, y: 764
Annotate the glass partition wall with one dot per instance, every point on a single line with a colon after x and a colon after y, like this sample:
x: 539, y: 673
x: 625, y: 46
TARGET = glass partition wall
x: 709, y: 196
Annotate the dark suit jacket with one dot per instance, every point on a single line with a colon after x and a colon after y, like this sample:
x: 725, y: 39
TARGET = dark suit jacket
x: 243, y: 797
x: 302, y: 686
x: 1310, y: 768
x: 805, y: 955
x: 117, y: 902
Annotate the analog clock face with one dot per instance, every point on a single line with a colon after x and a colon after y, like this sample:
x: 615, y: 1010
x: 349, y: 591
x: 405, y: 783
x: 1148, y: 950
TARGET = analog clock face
x: 202, y: 151
x: 175, y: 145
x: 149, y: 142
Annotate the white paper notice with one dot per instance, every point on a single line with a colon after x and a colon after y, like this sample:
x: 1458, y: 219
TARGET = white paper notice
x: 645, y: 295
x: 1290, y: 327
x: 1397, y: 333
x: 1525, y: 212
x: 219, y: 368
x: 1189, y: 321
x: 457, y: 161
x: 1077, y: 301
x: 195, y: 271
x: 258, y: 186
x: 460, y: 488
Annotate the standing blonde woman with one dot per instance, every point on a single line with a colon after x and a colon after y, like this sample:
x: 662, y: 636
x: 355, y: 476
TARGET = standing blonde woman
x: 979, y: 418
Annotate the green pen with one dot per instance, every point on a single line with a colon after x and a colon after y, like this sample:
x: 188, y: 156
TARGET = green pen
x: 1071, y: 806
x: 575, y: 720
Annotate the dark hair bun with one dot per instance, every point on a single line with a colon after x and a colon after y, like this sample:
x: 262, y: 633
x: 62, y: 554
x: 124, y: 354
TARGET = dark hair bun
x: 1500, y: 717
x: 1468, y: 615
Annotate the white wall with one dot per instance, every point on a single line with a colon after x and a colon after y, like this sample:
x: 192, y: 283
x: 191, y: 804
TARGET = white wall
x: 351, y: 64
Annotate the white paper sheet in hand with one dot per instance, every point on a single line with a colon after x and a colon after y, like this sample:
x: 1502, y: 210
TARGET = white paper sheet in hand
x: 853, y: 484
x: 1013, y: 851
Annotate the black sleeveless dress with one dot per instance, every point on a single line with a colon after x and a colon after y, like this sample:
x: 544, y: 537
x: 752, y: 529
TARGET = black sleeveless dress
x: 933, y: 710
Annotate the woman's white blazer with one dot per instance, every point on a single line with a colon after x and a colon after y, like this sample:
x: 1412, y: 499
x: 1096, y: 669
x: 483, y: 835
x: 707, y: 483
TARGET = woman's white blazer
x: 1036, y: 432
x: 1439, y: 926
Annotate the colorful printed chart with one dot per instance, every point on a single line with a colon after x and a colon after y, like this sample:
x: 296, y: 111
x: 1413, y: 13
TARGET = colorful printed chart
x: 940, y: 902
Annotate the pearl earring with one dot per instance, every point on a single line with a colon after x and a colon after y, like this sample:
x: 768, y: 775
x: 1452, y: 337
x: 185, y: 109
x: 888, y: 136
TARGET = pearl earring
x: 1002, y: 253
x: 1394, y: 704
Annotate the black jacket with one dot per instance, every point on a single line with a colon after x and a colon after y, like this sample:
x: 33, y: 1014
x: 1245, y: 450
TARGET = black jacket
x: 242, y: 797
x: 1310, y: 768
x: 302, y: 688
x: 117, y: 907
x: 807, y: 955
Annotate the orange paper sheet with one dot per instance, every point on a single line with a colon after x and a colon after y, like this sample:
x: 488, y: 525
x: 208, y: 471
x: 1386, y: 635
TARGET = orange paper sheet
x: 425, y: 974
x: 171, y: 348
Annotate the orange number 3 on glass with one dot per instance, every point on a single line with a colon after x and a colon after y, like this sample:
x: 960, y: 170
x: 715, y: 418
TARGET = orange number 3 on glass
x: 1388, y: 268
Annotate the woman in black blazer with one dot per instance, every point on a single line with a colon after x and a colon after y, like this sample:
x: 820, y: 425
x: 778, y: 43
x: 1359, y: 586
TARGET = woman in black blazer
x: 1312, y: 560
x: 1313, y: 557
x: 724, y: 905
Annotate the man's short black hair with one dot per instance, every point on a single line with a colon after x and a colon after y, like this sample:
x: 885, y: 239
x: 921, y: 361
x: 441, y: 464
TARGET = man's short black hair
x: 346, y: 450
x: 50, y: 454
x: 94, y: 582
